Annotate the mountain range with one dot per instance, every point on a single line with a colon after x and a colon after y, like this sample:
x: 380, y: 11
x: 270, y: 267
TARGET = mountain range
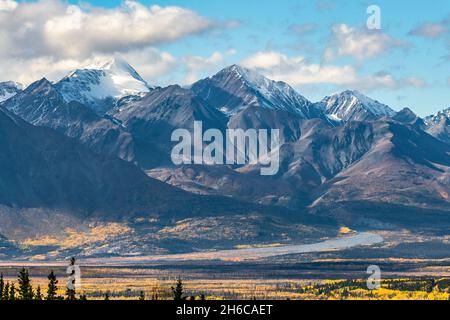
x: 93, y: 151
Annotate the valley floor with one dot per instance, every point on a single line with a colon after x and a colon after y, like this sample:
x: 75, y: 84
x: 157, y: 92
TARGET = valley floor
x: 335, y: 268
x: 328, y: 279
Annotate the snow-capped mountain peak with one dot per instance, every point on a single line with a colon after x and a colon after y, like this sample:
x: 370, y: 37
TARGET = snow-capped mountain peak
x: 119, y: 66
x: 247, y: 75
x: 438, y: 117
x: 9, y: 89
x: 351, y: 105
x: 235, y: 88
x: 438, y: 125
x: 106, y: 81
x: 259, y: 82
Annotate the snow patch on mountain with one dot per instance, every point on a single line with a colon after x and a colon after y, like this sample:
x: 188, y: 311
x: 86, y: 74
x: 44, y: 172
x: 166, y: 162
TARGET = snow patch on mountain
x: 354, y: 106
x: 9, y: 89
x: 272, y: 94
x: 437, y: 118
x: 235, y: 89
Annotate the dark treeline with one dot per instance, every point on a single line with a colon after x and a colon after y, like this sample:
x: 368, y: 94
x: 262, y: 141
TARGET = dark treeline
x: 24, y: 290
x: 412, y: 285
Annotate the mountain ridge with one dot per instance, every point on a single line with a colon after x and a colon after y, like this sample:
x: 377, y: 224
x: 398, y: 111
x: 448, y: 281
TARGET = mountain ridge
x: 354, y: 106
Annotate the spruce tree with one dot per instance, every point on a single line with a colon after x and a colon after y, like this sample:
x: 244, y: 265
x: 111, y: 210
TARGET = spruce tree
x: 12, y: 292
x: 5, y: 292
x: 38, y: 295
x: 25, y: 288
x: 178, y: 290
x: 2, y: 287
x: 141, y: 296
x: 52, y: 286
x: 71, y: 294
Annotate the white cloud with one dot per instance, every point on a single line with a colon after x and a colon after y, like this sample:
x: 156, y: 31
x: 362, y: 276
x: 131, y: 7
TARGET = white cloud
x: 432, y: 30
x: 150, y: 63
x: 52, y: 27
x: 48, y: 38
x: 298, y: 71
x: 362, y: 44
x: 7, y: 5
x: 385, y: 80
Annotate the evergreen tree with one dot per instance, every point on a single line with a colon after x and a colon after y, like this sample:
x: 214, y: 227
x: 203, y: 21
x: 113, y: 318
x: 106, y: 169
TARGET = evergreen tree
x: 430, y: 286
x: 52, y: 286
x: 12, y: 292
x: 2, y: 287
x: 107, y: 296
x: 178, y: 290
x: 142, y: 296
x: 25, y: 288
x: 38, y: 295
x: 5, y: 292
x: 71, y: 294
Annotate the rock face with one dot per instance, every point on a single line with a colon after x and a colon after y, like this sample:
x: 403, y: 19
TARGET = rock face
x: 438, y: 125
x: 354, y: 106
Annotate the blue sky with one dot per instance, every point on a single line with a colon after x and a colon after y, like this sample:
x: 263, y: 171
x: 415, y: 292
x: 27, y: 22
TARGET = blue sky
x: 407, y: 64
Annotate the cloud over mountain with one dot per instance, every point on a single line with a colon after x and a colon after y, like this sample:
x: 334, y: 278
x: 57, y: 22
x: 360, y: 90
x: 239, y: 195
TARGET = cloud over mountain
x: 432, y: 29
x: 363, y: 44
x: 51, y: 37
x: 298, y: 71
x: 56, y: 28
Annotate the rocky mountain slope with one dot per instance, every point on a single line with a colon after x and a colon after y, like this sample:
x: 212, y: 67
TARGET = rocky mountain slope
x: 9, y: 89
x: 354, y: 106
x: 438, y: 125
x: 235, y: 88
